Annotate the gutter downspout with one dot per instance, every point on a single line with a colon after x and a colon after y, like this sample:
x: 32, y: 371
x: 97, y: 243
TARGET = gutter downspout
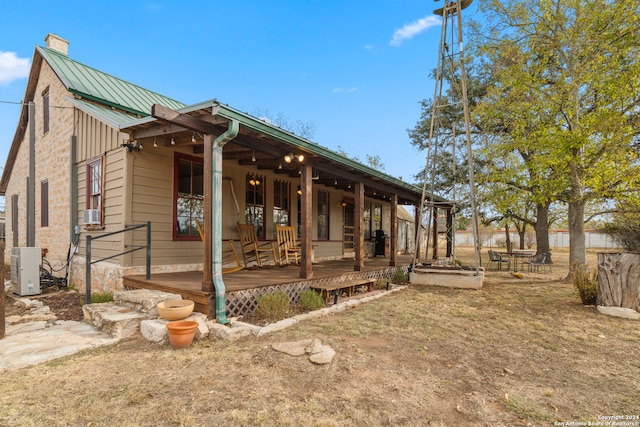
x: 218, y: 283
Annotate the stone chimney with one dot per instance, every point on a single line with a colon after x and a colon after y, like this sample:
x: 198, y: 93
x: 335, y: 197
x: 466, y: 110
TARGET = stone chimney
x: 56, y: 42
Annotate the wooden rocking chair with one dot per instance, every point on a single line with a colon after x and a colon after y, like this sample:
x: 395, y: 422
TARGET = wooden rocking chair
x: 252, y: 250
x: 287, y: 244
x: 230, y: 260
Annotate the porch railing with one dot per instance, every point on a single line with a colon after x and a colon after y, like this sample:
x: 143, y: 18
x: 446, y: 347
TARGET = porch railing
x: 89, y: 262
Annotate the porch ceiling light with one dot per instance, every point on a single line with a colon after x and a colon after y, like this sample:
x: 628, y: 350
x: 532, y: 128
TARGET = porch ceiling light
x: 288, y: 158
x: 132, y: 146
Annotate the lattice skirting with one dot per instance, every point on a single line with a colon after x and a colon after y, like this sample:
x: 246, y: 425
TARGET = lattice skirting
x: 244, y: 302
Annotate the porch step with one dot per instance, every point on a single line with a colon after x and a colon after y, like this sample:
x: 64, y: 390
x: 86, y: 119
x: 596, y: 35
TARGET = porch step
x: 143, y: 300
x: 121, y: 318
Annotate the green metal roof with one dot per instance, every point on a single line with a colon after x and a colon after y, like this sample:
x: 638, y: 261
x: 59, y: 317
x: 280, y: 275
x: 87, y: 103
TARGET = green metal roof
x: 101, y: 87
x: 291, y: 139
x: 112, y: 117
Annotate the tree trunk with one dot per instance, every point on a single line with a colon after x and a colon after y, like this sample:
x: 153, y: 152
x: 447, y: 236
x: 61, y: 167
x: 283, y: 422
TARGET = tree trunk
x: 542, y: 228
x: 507, y: 236
x: 522, y: 233
x: 619, y: 280
x: 577, y: 247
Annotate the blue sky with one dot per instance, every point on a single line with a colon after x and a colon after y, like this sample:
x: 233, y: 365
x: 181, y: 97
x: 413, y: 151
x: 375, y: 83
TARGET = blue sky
x: 355, y: 69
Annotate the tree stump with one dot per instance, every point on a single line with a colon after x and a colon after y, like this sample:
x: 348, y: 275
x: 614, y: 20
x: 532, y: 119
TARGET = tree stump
x: 619, y: 280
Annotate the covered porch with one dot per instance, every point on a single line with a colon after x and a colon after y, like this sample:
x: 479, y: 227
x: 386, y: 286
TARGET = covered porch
x: 243, y: 287
x: 252, y: 153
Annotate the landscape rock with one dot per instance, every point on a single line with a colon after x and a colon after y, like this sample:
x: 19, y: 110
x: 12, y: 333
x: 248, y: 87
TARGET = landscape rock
x: 226, y: 332
x: 28, y: 304
x: 293, y: 348
x: 144, y: 300
x: 318, y: 353
x: 202, y: 331
x: 18, y: 328
x: 154, y: 330
x: 321, y: 354
x: 625, y: 313
x: 278, y: 326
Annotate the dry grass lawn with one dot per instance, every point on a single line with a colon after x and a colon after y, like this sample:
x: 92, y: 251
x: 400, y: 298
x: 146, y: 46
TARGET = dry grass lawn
x: 521, y: 351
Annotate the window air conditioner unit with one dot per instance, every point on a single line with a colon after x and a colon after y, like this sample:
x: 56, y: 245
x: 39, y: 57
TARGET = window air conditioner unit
x: 91, y: 216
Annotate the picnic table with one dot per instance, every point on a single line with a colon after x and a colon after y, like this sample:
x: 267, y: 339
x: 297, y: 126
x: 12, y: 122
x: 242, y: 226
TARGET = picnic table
x: 522, y: 256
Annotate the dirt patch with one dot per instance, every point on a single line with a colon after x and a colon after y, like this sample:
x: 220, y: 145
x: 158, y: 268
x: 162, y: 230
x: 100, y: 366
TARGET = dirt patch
x: 520, y: 351
x: 66, y: 305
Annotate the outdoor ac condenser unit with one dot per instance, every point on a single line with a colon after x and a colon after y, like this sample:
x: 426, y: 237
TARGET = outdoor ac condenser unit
x: 25, y: 270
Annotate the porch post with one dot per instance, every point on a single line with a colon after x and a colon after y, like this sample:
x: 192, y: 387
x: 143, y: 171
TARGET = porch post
x: 306, y: 184
x: 207, y: 275
x: 358, y: 227
x: 434, y: 233
x: 393, y: 247
x: 418, y: 231
x: 450, y: 233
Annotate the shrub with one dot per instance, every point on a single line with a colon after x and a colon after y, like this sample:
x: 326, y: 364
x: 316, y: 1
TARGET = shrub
x: 400, y: 277
x: 586, y: 283
x: 310, y: 300
x: 273, y: 306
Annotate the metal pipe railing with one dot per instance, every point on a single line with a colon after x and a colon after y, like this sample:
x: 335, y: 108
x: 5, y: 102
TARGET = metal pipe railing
x: 89, y: 262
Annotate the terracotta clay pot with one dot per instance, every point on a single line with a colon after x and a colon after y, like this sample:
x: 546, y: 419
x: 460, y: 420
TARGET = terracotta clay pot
x: 181, y: 333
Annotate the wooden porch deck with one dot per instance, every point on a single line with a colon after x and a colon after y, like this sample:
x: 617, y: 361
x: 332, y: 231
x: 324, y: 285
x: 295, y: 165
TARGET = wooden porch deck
x: 189, y: 283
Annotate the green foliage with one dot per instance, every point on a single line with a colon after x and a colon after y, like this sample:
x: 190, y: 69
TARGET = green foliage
x: 586, y: 283
x: 310, y: 300
x: 99, y: 297
x: 273, y: 306
x: 625, y: 225
x: 400, y: 278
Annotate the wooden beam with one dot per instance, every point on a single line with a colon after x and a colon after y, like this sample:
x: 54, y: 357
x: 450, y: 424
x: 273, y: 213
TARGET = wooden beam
x: 192, y: 123
x: 358, y: 227
x: 393, y: 247
x: 306, y: 220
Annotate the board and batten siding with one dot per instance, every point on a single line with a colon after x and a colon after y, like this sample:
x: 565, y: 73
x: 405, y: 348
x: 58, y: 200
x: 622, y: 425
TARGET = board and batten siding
x: 152, y: 200
x: 96, y: 139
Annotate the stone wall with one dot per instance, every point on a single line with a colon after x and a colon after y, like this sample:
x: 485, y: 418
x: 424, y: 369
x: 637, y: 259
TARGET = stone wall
x: 52, y: 165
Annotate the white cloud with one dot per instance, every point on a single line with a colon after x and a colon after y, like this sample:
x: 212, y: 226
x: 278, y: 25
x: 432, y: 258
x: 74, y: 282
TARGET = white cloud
x: 341, y: 89
x: 368, y: 47
x: 410, y: 30
x: 12, y: 67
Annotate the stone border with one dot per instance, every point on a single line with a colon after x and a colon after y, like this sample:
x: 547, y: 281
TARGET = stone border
x: 238, y: 329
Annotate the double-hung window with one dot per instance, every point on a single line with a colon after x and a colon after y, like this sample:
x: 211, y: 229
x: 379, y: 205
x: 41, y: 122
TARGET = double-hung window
x: 94, y: 186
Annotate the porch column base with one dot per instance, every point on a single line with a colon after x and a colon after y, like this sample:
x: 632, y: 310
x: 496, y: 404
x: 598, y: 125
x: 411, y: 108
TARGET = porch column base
x: 306, y: 275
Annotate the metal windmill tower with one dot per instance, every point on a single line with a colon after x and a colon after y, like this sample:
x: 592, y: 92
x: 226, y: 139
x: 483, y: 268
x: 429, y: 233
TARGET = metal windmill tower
x: 451, y: 68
